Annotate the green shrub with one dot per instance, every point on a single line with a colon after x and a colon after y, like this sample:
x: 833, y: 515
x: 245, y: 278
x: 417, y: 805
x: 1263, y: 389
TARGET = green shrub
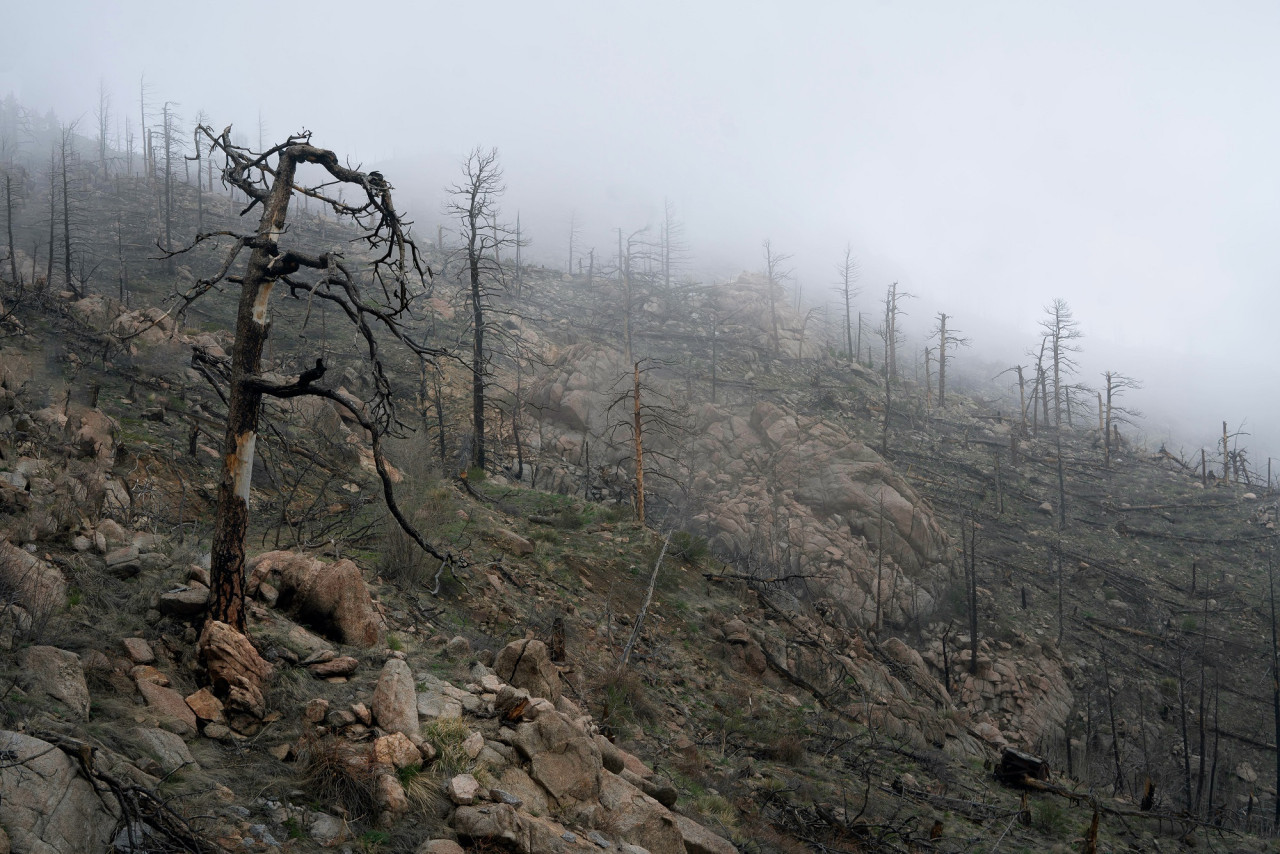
x: 1050, y: 817
x: 569, y: 519
x: 690, y: 548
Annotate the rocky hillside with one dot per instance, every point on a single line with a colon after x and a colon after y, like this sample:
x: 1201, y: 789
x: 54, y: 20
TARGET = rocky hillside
x: 785, y: 657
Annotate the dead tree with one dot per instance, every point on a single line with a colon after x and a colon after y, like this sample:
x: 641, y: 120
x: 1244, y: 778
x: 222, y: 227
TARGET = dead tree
x: 1061, y: 331
x: 947, y: 339
x: 629, y: 251
x: 394, y: 270
x: 847, y: 273
x: 1112, y: 414
x: 890, y: 334
x: 66, y: 159
x: 1022, y: 394
x: 11, y: 247
x: 172, y: 144
x: 891, y: 338
x: 652, y: 413
x: 672, y: 247
x: 475, y: 203
x: 775, y: 274
x: 575, y: 233
x: 103, y: 116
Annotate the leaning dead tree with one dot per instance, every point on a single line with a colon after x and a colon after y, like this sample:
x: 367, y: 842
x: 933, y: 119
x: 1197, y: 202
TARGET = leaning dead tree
x: 374, y: 296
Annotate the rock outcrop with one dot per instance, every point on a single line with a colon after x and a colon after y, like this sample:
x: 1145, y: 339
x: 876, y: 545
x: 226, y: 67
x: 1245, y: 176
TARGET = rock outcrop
x: 527, y: 664
x: 236, y: 671
x: 330, y: 597
x: 57, y: 673
x: 30, y: 582
x: 395, y: 703
x: 48, y: 806
x: 796, y: 496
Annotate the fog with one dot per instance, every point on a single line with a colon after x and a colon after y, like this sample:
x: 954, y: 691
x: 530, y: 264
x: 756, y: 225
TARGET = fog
x: 988, y: 156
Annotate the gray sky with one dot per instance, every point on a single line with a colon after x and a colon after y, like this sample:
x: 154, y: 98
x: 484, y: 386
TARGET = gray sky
x: 989, y: 156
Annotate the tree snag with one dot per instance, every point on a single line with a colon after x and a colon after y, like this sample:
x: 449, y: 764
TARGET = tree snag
x: 267, y: 179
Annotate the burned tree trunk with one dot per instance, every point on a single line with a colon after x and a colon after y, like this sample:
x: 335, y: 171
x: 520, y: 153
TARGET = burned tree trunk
x: 639, y: 438
x: 244, y: 404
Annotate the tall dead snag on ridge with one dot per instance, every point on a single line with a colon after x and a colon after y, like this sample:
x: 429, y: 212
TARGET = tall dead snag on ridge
x: 629, y: 251
x: 1061, y: 331
x: 891, y: 337
x: 947, y: 338
x: 268, y: 179
x: 475, y: 203
x: 671, y: 245
x: 1112, y: 414
x: 847, y: 271
x: 775, y: 275
x: 652, y: 412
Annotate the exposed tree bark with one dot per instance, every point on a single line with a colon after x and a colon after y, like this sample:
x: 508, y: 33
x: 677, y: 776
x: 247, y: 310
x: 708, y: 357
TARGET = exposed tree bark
x: 644, y: 607
x: 1062, y: 484
x: 519, y: 243
x: 1186, y: 741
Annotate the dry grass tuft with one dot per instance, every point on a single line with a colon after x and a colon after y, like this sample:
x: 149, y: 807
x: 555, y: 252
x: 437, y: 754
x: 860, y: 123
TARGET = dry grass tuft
x: 446, y: 736
x: 336, y: 771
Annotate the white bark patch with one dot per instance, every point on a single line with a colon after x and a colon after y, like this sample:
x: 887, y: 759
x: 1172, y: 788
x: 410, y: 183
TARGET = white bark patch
x: 260, y: 303
x: 242, y: 464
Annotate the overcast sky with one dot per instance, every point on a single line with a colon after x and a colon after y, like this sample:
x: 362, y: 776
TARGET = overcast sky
x: 1124, y: 156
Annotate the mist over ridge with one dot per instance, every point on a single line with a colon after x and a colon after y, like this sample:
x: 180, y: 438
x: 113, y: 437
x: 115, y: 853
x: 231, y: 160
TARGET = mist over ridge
x: 989, y: 159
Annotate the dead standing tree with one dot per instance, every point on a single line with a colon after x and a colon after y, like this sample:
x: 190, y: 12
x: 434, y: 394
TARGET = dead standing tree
x: 891, y: 337
x: 948, y: 339
x: 474, y: 201
x: 847, y: 271
x: 775, y: 274
x: 651, y: 412
x: 268, y: 180
x: 1112, y: 414
x: 1061, y: 332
